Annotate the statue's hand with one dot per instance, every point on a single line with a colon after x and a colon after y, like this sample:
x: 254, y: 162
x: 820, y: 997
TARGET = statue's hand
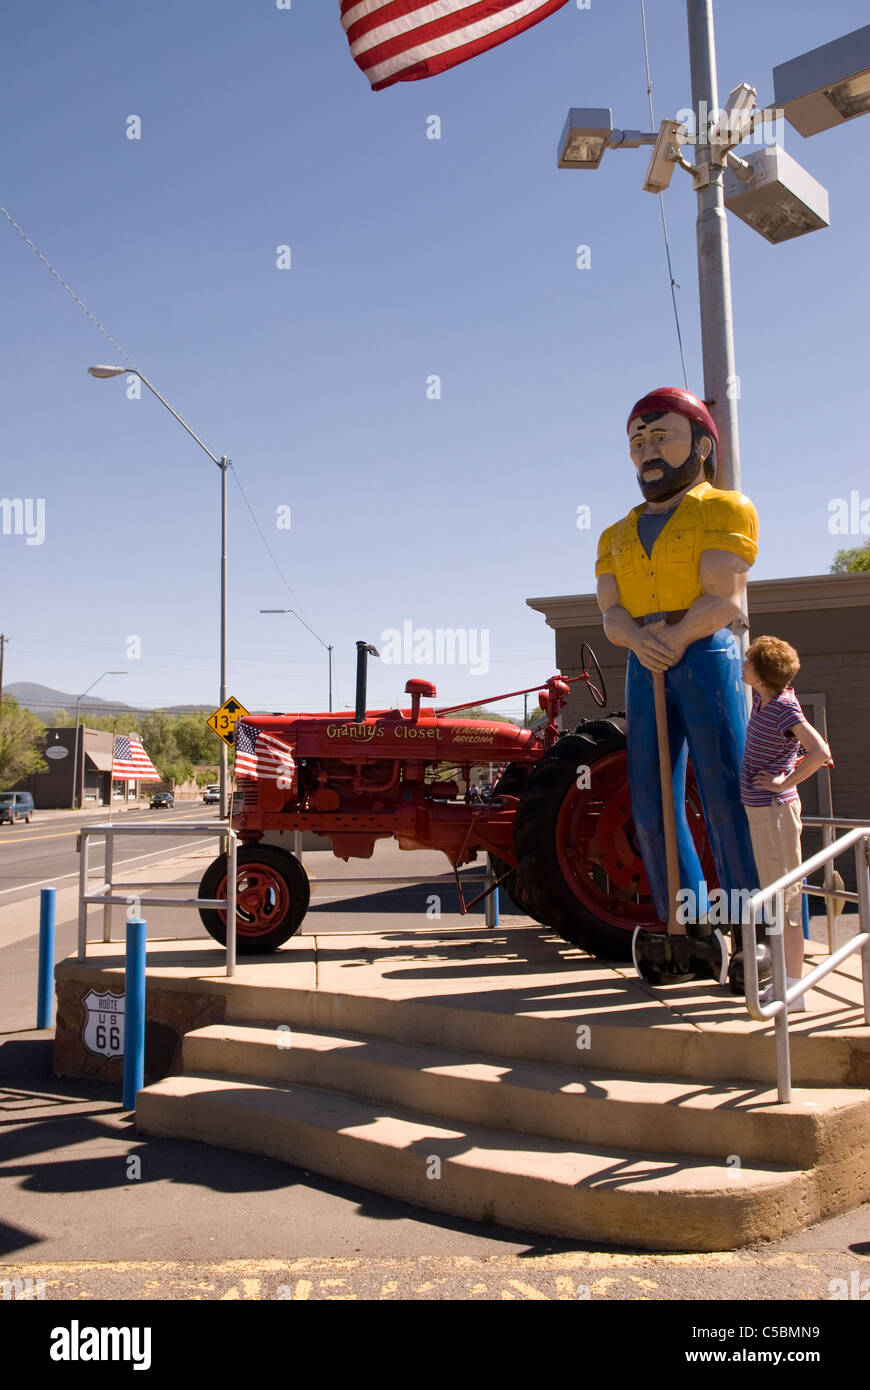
x: 652, y: 650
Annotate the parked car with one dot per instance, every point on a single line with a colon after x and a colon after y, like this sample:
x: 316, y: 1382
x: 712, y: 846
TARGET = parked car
x: 15, y: 806
x: 161, y: 799
x: 212, y: 794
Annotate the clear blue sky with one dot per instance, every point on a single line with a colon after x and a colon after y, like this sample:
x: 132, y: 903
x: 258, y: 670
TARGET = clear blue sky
x: 409, y: 257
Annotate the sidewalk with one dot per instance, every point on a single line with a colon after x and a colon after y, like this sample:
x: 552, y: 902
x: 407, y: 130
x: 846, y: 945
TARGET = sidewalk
x: 192, y: 1220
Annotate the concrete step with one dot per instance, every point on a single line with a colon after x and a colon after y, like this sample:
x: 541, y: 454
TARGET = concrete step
x: 648, y: 1200
x: 579, y: 1105
x: 695, y: 1036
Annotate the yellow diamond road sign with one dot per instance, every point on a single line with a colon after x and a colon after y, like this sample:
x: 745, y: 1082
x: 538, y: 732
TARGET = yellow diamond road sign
x: 223, y: 721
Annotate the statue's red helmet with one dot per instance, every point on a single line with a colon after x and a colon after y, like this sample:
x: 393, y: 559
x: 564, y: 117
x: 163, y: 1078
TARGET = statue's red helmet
x: 673, y: 398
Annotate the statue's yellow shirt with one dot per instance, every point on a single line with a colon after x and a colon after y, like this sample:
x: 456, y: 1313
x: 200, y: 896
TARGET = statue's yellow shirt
x: 706, y: 519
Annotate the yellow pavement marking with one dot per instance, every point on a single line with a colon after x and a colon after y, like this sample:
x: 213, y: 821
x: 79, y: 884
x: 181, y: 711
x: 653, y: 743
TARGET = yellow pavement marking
x: 527, y: 1290
x: 563, y: 1276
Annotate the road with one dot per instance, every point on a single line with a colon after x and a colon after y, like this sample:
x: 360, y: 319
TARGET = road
x: 44, y: 852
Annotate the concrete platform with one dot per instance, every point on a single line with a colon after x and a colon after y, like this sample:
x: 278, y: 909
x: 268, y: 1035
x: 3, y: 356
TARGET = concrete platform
x: 502, y: 1074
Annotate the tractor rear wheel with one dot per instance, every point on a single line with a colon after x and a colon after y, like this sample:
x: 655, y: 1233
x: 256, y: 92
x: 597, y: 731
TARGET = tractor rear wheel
x: 576, y: 847
x: 272, y: 897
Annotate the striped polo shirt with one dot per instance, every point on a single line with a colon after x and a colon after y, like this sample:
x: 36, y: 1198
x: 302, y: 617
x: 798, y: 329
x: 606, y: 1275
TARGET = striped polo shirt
x: 768, y: 747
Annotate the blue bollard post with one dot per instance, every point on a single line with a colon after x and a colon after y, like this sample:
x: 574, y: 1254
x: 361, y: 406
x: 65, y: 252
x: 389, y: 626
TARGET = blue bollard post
x: 45, y: 988
x: 805, y: 913
x: 134, y: 1012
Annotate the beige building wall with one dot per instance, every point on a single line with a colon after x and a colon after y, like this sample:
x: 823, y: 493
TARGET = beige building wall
x: 825, y: 616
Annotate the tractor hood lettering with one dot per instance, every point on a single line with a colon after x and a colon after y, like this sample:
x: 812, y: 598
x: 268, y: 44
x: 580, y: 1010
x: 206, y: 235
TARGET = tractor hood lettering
x: 361, y: 733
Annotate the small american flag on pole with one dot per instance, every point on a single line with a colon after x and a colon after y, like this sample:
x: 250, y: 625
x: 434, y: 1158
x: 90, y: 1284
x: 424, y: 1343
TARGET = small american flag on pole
x: 130, y: 762
x: 262, y: 755
x: 403, y: 40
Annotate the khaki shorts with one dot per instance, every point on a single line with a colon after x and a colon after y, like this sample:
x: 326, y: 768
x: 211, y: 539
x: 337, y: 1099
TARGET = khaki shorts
x: 776, y: 843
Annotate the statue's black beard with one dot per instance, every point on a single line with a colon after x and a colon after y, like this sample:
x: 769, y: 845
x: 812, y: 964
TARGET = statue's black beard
x: 673, y: 480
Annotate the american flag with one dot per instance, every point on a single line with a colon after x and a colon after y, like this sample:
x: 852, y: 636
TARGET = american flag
x: 130, y: 762
x: 403, y: 40
x: 261, y: 755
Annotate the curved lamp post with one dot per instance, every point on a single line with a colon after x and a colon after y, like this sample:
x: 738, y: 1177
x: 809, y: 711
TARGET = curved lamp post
x: 77, y: 782
x: 223, y: 463
x: 327, y: 645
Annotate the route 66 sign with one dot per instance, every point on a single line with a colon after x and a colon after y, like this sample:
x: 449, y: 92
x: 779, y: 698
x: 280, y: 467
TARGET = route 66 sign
x: 103, y: 1032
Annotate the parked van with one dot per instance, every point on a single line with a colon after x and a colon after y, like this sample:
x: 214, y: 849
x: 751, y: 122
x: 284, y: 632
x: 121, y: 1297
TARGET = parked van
x: 15, y: 806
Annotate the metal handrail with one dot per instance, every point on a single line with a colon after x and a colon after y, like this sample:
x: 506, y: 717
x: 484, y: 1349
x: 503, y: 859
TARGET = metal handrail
x: 105, y: 896
x: 828, y: 824
x: 777, y: 1009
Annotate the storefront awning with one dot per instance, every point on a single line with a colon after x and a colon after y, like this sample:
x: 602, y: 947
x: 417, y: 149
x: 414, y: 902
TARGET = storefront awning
x: 101, y: 761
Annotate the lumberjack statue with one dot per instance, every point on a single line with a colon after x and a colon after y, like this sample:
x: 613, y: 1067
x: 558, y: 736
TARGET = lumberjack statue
x: 671, y: 576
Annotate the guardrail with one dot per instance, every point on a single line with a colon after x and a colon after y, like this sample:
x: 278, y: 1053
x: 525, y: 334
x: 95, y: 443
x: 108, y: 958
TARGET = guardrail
x: 828, y: 892
x: 777, y: 1009
x: 106, y: 896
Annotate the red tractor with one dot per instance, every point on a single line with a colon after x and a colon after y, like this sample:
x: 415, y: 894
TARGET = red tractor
x: 556, y: 825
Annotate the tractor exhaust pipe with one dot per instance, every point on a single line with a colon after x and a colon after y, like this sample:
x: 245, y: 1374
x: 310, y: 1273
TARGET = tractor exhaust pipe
x: 362, y: 658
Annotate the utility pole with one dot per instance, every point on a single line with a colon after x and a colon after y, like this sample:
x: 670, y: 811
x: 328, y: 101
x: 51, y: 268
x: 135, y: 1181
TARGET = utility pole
x: 3, y: 641
x: 721, y: 385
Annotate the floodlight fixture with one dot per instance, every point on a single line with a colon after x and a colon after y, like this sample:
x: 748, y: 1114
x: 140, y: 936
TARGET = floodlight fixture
x: 779, y: 199
x: 827, y: 86
x: 665, y: 155
x: 585, y: 137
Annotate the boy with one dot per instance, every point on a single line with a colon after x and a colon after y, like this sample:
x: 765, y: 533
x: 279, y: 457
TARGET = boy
x: 777, y: 730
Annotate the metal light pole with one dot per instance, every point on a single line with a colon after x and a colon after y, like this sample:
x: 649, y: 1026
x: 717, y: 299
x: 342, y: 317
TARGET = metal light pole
x: 75, y: 778
x: 714, y: 271
x: 223, y: 464
x: 327, y: 645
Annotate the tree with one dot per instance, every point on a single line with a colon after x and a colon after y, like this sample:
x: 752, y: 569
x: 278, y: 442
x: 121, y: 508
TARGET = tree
x: 157, y: 730
x: 195, y: 740
x: 852, y: 561
x: 177, y: 771
x: 21, y: 735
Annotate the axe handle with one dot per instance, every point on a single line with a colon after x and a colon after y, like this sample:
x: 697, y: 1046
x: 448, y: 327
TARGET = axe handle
x: 666, y: 777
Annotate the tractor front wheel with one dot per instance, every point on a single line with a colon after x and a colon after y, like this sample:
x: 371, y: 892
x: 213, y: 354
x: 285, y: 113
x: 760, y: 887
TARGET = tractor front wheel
x: 272, y: 896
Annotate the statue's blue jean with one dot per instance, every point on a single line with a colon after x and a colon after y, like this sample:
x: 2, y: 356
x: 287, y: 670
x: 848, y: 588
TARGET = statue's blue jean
x: 706, y: 710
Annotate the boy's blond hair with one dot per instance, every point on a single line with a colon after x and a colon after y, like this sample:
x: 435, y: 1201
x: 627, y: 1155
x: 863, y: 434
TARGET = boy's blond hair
x: 775, y: 662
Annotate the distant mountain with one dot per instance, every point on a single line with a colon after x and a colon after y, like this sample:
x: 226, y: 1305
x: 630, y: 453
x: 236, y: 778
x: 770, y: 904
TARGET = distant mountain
x: 42, y: 701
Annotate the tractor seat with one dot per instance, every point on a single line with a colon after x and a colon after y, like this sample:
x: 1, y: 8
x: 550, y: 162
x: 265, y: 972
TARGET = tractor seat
x: 422, y: 689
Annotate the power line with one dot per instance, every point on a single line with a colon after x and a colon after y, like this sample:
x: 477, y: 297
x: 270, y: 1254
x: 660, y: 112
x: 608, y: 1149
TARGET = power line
x: 674, y: 285
x: 265, y: 542
x: 117, y: 346
x: 106, y: 334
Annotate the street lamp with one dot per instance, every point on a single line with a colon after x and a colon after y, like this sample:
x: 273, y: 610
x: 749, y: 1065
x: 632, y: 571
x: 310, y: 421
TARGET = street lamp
x: 827, y: 86
x: 77, y: 781
x: 769, y: 190
x: 327, y: 645
x: 775, y: 196
x: 102, y: 373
